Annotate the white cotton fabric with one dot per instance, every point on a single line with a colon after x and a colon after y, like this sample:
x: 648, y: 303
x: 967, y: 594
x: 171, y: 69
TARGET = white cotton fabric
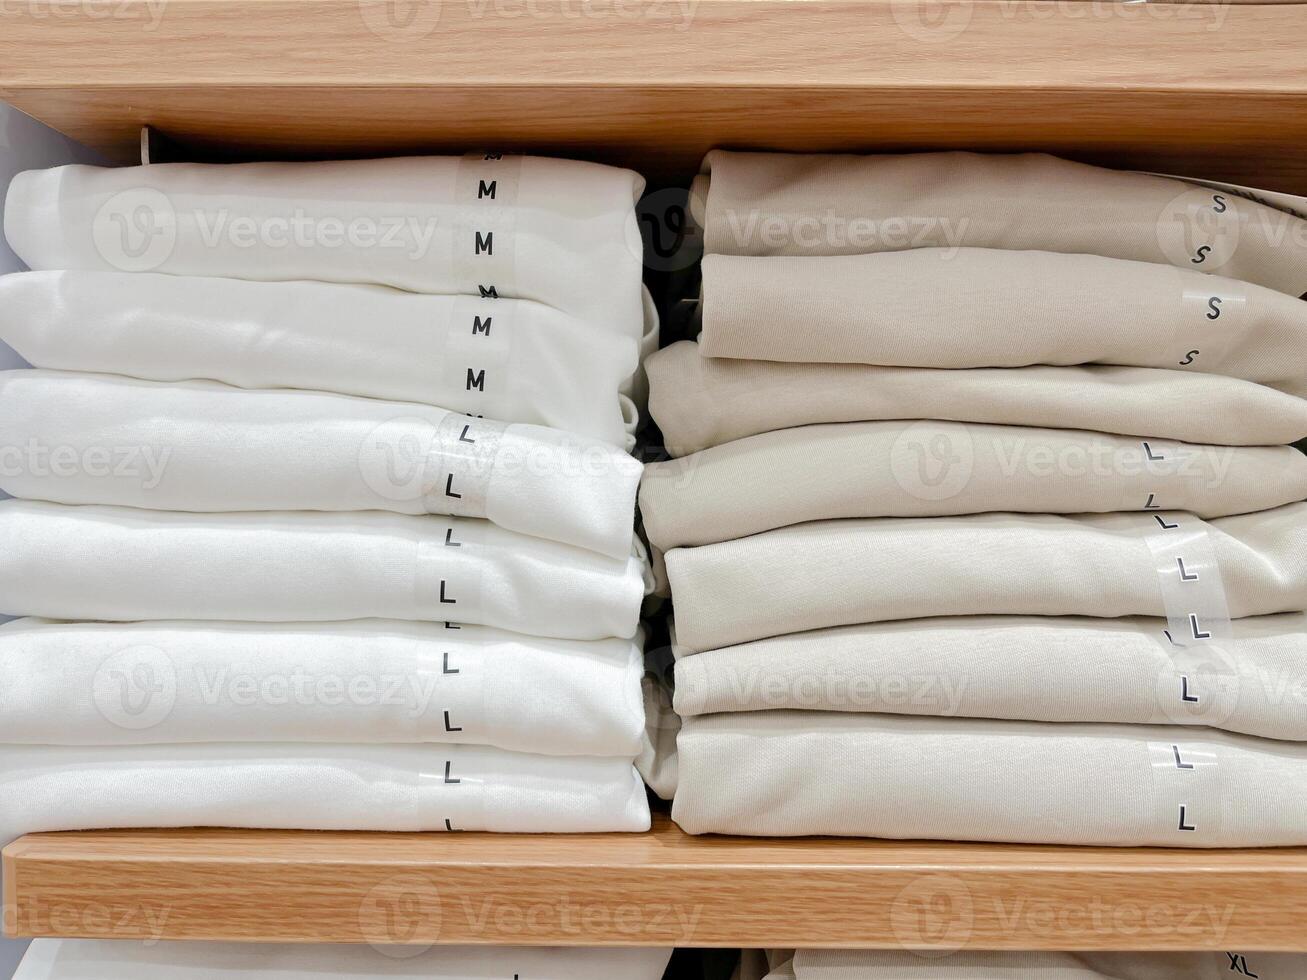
x: 507, y: 359
x: 88, y: 959
x: 121, y: 564
x: 835, y: 573
x: 975, y: 307
x: 929, y: 469
x: 798, y: 773
x: 1072, y: 669
x: 967, y: 964
x: 365, y: 681
x: 564, y: 231
x: 322, y: 786
x: 203, y: 446
x: 699, y: 402
x: 833, y: 204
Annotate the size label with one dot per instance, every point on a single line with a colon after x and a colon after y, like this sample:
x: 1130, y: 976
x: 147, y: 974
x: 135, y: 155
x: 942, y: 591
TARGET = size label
x: 460, y: 464
x: 448, y: 580
x: 478, y: 354
x: 485, y: 223
x: 1187, y: 796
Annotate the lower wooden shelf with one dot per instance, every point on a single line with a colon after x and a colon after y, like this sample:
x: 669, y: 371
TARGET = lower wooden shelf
x: 662, y: 888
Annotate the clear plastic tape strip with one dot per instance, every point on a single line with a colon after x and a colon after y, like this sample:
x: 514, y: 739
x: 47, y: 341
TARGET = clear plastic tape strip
x: 485, y: 219
x: 448, y: 580
x: 461, y: 461
x: 452, y: 791
x: 1189, y: 579
x: 1187, y: 794
x: 478, y: 353
x: 1186, y: 780
x: 446, y: 690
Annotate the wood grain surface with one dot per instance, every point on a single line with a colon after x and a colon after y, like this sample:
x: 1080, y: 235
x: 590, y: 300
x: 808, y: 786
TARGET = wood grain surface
x: 1214, y: 90
x: 654, y: 889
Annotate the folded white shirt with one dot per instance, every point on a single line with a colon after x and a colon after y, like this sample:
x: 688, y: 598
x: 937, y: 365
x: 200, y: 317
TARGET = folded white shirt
x: 985, y: 307
x: 1037, y: 668
x: 203, y: 446
x: 120, y: 564
x: 364, y: 681
x: 835, y: 573
x: 799, y: 773
x: 700, y: 402
x: 561, y: 232
x: 507, y: 359
x: 90, y: 959
x: 933, y: 469
x: 969, y: 964
x: 846, y: 204
x: 318, y: 786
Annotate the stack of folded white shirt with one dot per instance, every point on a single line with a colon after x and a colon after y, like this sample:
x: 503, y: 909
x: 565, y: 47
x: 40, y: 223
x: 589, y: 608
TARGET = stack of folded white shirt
x: 982, y: 525
x: 878, y: 964
x: 325, y: 513
x: 86, y: 959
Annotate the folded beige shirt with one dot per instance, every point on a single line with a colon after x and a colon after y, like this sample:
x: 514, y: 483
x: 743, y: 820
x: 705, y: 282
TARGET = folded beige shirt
x: 968, y: 964
x: 700, y: 402
x: 834, y: 573
x: 797, y: 773
x: 1072, y: 669
x: 927, y: 469
x: 977, y: 307
x: 831, y: 204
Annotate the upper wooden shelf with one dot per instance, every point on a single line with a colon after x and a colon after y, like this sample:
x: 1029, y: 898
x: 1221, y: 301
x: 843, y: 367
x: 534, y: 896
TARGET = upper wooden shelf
x: 1217, y: 90
x: 657, y: 889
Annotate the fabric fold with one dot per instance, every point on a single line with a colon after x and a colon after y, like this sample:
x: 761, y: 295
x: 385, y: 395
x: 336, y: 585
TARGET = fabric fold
x: 369, y: 681
x: 203, y: 446
x: 322, y: 786
x: 972, y: 307
x: 835, y: 573
x: 121, y: 564
x: 507, y: 359
x: 89, y: 959
x: 560, y: 232
x: 700, y: 402
x: 845, y: 204
x: 1052, y: 669
x: 929, y: 469
x: 800, y: 773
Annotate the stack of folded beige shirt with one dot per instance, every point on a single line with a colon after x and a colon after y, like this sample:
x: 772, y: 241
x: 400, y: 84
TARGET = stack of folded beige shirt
x: 981, y: 523
x: 887, y: 964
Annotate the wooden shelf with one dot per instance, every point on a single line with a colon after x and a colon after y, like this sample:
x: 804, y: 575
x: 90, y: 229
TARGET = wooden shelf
x: 655, y: 889
x: 1212, y: 90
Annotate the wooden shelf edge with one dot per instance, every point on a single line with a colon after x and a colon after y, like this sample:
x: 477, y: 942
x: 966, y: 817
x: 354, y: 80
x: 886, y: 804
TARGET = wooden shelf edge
x: 662, y: 888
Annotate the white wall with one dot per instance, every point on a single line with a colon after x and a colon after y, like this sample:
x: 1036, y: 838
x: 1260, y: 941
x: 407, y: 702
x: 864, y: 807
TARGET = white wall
x: 25, y: 145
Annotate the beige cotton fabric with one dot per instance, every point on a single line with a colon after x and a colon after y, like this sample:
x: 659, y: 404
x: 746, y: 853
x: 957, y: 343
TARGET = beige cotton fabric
x: 799, y: 773
x: 978, y: 307
x: 1072, y: 669
x: 835, y: 573
x: 819, y: 204
x: 968, y: 964
x: 700, y: 402
x: 927, y: 469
